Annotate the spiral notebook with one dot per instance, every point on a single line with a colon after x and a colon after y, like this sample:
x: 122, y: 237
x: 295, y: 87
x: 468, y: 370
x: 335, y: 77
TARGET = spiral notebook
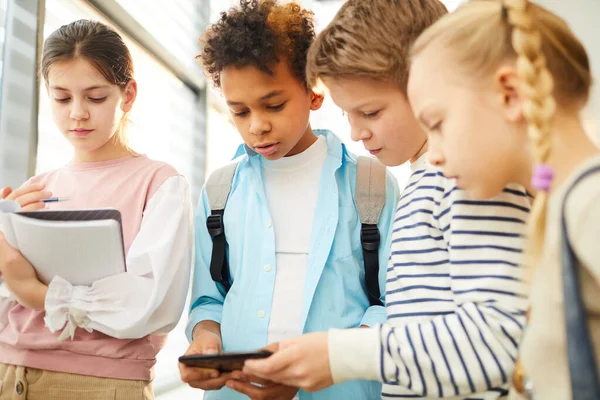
x: 80, y: 246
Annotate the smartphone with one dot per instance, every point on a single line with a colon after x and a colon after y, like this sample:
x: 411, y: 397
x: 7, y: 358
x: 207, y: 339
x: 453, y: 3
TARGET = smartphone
x: 225, y: 362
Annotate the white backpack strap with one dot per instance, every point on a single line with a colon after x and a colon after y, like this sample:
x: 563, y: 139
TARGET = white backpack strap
x: 217, y: 189
x: 370, y: 199
x: 370, y: 189
x: 218, y: 186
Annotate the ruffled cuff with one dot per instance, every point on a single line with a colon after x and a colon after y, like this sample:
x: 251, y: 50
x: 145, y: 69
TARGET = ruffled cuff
x: 7, y: 301
x: 5, y: 293
x: 68, y: 307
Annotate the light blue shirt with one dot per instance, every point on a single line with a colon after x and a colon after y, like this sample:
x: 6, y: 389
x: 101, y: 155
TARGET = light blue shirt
x: 334, y: 290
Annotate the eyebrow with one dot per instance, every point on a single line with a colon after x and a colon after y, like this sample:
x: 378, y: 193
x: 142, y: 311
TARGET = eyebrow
x: 265, y: 97
x: 85, y: 90
x: 362, y: 105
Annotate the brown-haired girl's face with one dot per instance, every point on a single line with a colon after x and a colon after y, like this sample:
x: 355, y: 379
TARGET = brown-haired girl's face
x: 86, y: 108
x: 271, y: 112
x: 476, y: 129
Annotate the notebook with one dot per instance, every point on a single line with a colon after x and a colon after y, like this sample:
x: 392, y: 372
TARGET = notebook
x: 80, y: 246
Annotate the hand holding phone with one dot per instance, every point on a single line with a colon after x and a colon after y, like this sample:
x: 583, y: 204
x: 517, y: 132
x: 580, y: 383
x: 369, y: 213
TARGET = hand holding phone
x: 207, y: 341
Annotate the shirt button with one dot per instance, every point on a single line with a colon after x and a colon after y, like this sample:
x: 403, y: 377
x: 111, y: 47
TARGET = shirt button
x: 261, y: 314
x: 267, y: 267
x: 269, y: 223
x: 19, y: 387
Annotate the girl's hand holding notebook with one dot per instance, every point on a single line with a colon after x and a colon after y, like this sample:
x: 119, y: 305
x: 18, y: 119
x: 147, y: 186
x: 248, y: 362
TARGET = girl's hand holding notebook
x: 20, y: 277
x: 79, y: 246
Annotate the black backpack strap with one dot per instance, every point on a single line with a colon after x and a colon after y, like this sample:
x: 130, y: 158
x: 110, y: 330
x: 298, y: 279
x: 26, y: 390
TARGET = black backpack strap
x: 370, y: 196
x: 583, y: 366
x: 217, y: 189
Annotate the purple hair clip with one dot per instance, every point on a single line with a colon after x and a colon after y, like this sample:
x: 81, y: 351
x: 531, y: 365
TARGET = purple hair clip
x: 542, y: 177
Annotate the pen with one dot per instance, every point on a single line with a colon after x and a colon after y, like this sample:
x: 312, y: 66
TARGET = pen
x: 54, y: 199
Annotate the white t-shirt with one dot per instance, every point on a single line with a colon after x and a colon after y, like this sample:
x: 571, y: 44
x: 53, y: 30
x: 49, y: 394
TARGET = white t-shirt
x: 292, y: 186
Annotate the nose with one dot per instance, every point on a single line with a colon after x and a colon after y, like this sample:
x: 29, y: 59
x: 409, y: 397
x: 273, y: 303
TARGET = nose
x: 435, y: 156
x: 359, y: 133
x: 435, y: 159
x: 259, y: 125
x: 79, y: 111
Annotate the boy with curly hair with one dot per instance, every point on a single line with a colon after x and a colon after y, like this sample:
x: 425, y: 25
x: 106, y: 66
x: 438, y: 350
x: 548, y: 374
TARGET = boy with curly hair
x: 294, y: 252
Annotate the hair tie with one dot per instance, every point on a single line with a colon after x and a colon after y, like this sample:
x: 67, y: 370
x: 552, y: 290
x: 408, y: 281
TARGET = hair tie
x: 542, y: 177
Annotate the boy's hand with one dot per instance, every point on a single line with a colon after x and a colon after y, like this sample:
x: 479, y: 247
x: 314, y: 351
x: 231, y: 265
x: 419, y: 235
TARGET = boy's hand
x: 20, y: 277
x: 206, y: 341
x: 301, y: 362
x: 29, y: 197
x: 267, y: 391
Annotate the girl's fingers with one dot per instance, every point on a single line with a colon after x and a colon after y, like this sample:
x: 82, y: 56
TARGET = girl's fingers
x: 34, y: 207
x: 33, y: 197
x: 23, y: 190
x: 7, y: 190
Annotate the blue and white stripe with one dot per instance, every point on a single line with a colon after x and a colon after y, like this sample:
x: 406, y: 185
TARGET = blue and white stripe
x: 455, y: 297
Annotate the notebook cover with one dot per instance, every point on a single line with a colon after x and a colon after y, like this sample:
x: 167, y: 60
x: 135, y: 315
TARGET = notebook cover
x: 78, y: 215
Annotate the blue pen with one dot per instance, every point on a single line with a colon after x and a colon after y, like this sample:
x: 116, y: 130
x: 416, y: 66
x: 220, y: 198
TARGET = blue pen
x: 54, y: 199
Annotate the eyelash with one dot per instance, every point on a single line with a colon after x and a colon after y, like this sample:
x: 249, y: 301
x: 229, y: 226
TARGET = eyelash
x: 94, y: 100
x: 371, y: 115
x: 276, y: 108
x: 436, y: 127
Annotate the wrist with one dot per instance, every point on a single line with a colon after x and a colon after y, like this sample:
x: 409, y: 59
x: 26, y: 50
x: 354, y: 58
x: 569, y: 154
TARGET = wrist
x: 42, y: 292
x: 206, y: 326
x: 32, y: 295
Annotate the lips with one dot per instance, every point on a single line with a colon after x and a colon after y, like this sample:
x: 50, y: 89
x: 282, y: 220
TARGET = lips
x: 455, y: 178
x: 374, y: 152
x: 266, y: 149
x: 80, y: 132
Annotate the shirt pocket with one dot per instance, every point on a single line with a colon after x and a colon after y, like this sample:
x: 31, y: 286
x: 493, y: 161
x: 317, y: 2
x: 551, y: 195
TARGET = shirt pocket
x: 347, y: 233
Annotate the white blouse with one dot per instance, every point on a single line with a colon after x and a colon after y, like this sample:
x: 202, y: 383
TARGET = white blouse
x: 150, y: 296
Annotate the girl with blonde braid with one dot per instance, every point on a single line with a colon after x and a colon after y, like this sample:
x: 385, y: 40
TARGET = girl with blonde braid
x: 506, y: 107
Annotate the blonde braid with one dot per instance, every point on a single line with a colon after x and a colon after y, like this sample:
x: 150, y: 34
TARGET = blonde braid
x: 539, y: 105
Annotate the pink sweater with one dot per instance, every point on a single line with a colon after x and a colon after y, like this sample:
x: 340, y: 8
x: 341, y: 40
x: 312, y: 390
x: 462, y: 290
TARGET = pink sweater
x: 127, y: 185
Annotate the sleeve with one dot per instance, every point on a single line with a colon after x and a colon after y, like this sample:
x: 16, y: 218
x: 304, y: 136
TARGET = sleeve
x: 207, y: 295
x: 472, y: 349
x: 377, y: 314
x: 151, y: 295
x: 7, y: 301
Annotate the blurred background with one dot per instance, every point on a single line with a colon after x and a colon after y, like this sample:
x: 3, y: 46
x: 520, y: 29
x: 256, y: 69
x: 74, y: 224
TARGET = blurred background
x: 178, y: 116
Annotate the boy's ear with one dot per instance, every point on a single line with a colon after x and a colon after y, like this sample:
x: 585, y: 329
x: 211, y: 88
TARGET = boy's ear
x: 316, y: 101
x: 130, y: 94
x: 510, y: 92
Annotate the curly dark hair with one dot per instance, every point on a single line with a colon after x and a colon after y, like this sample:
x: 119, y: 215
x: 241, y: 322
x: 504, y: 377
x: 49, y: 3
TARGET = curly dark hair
x: 259, y: 33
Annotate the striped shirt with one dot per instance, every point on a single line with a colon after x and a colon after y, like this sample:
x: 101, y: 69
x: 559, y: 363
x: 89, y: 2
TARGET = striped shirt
x: 454, y: 296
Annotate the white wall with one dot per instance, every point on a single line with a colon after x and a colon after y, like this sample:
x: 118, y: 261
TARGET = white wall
x: 582, y: 16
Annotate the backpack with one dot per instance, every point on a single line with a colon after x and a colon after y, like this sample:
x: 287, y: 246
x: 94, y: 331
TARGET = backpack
x: 370, y: 197
x: 581, y: 354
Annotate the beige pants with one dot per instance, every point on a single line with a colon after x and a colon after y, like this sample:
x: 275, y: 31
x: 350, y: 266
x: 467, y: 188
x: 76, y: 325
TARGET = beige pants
x: 20, y: 383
